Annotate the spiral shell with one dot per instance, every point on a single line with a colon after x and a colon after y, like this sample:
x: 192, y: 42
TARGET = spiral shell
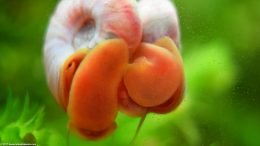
x: 98, y: 20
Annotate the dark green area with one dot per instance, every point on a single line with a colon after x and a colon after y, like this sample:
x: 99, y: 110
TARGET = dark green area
x: 221, y: 51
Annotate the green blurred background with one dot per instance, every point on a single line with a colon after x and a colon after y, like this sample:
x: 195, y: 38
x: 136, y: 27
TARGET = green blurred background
x: 221, y: 52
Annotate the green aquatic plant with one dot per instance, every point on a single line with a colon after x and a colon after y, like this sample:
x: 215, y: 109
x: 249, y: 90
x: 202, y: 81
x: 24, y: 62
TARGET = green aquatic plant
x: 21, y: 122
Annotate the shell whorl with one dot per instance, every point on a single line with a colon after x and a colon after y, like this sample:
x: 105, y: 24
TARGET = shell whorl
x: 100, y: 19
x: 159, y: 19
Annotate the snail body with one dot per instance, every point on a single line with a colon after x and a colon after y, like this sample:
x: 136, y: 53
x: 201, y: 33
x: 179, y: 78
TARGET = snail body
x: 102, y: 56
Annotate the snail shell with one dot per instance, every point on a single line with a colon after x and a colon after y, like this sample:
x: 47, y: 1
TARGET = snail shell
x: 159, y: 19
x: 80, y: 24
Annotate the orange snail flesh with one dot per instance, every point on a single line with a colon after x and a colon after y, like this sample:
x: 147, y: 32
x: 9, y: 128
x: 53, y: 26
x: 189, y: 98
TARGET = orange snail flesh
x: 93, y: 97
x: 97, y: 84
x: 154, y: 81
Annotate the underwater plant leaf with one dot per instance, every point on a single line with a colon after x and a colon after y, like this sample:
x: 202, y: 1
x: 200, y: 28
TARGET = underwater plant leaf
x: 34, y: 122
x: 6, y: 109
x: 10, y: 134
x: 25, y: 111
x: 16, y: 124
x: 46, y: 137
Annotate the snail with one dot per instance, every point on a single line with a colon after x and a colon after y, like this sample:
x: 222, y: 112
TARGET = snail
x: 106, y: 56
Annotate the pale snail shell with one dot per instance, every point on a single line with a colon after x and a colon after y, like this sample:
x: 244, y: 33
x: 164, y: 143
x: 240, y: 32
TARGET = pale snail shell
x: 64, y: 34
x: 159, y: 19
